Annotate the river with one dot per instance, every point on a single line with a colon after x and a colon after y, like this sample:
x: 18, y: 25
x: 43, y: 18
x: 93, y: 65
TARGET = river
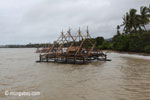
x: 126, y: 77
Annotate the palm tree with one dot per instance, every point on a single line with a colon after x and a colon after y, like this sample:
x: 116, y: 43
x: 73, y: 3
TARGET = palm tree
x: 138, y: 22
x: 144, y: 16
x: 149, y: 9
x: 133, y: 19
x: 149, y: 12
x: 126, y: 23
x: 118, y: 28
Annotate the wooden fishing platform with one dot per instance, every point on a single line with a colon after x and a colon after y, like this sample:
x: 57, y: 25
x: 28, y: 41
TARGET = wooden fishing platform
x: 79, y: 49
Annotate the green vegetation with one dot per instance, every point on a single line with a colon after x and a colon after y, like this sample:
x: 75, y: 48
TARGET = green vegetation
x: 147, y: 49
x: 135, y: 37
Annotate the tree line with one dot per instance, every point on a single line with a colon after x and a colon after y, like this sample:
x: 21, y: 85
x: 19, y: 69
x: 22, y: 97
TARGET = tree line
x: 135, y: 36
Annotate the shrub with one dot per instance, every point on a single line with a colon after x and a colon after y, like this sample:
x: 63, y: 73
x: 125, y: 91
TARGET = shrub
x: 100, y: 47
x: 99, y: 41
x: 147, y: 49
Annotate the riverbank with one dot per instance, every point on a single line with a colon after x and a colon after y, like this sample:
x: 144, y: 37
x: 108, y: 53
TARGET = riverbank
x: 127, y: 52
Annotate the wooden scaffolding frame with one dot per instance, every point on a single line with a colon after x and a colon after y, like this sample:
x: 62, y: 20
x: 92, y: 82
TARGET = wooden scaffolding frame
x: 75, y: 49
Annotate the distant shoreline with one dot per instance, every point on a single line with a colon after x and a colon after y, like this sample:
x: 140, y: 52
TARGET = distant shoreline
x: 15, y: 47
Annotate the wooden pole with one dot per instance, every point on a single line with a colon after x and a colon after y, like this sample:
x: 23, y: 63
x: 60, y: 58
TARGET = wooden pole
x: 46, y: 58
x: 74, y: 60
x: 40, y: 57
x: 83, y: 60
x: 105, y: 57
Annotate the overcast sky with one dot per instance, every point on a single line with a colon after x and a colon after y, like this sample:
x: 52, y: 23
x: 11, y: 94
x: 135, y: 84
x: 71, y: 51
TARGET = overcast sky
x: 40, y: 21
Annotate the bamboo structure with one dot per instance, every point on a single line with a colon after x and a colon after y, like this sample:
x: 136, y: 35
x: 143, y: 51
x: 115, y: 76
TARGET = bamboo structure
x: 73, y: 49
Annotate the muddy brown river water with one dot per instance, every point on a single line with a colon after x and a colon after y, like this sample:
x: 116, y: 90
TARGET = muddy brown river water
x: 126, y: 77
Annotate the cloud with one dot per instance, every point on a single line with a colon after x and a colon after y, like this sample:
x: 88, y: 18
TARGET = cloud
x: 35, y: 21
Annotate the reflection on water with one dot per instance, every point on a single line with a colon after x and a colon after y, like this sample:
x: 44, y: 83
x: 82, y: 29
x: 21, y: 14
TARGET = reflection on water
x: 124, y: 78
